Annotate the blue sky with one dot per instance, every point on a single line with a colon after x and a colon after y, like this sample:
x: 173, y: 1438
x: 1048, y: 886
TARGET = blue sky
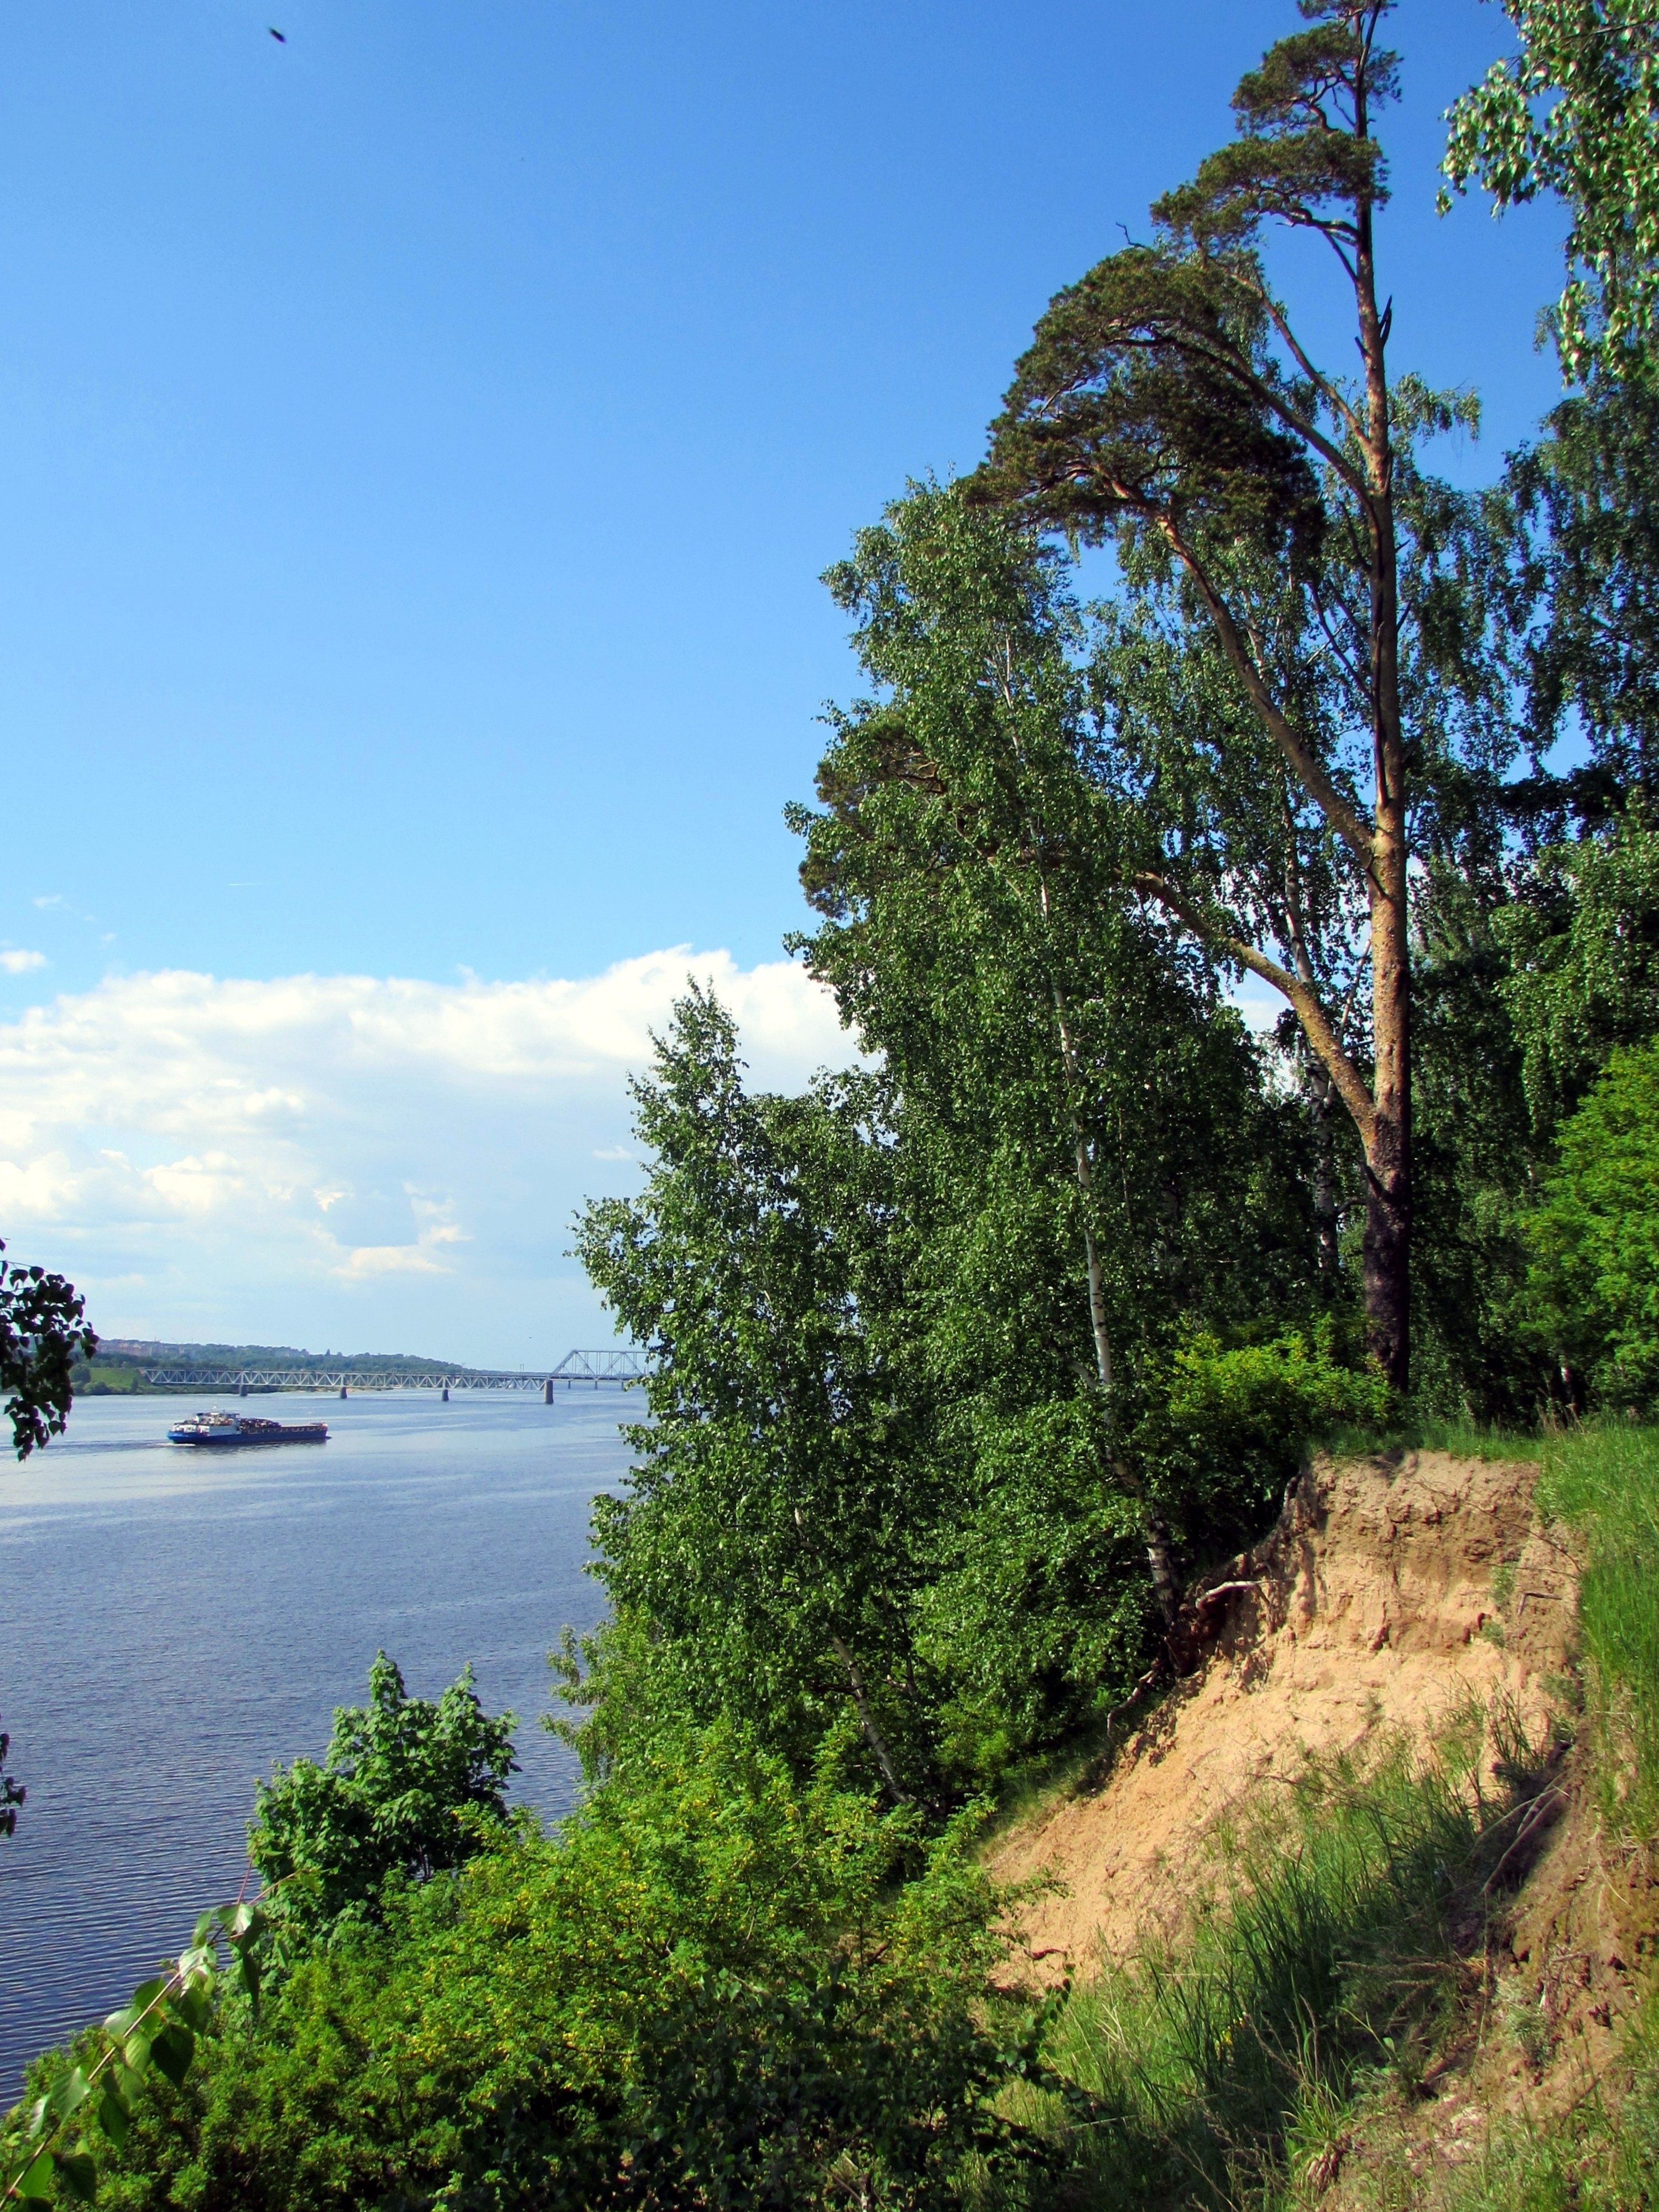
x: 419, y: 444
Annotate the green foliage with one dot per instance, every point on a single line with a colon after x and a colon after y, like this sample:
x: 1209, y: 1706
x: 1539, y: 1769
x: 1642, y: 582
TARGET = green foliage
x: 1577, y: 525
x: 1476, y: 1150
x: 1040, y: 1616
x: 1603, y: 1480
x: 1582, y: 944
x: 1225, y: 1427
x: 771, y: 1534
x: 407, y: 1787
x: 959, y: 1361
x: 54, y: 2145
x: 1575, y: 113
x: 42, y: 1334
x: 980, y: 934
x: 708, y: 1991
x: 1594, y: 1237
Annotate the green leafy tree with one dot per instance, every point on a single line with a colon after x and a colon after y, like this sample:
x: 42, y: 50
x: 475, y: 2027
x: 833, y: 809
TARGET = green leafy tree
x: 1575, y: 113
x: 1575, y: 529
x: 776, y: 1524
x: 406, y: 1789
x: 1477, y: 1149
x: 1083, y: 1139
x: 1168, y: 403
x: 1582, y: 941
x: 42, y: 1334
x: 1594, y: 1238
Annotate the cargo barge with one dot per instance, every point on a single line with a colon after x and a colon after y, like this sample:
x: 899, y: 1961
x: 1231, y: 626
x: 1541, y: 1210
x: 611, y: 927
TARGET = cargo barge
x: 244, y: 1428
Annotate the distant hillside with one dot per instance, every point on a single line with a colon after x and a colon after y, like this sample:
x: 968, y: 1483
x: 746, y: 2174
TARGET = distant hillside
x: 118, y: 1369
x: 145, y: 1351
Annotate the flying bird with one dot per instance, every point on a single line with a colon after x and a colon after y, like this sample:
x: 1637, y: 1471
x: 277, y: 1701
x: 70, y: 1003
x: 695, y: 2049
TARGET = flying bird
x: 280, y: 37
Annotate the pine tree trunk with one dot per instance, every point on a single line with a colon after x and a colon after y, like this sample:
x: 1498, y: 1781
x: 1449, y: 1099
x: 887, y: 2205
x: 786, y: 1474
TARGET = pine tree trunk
x: 1387, y: 1250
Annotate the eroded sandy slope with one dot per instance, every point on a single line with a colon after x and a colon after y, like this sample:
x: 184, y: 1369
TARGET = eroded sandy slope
x: 1367, y: 1605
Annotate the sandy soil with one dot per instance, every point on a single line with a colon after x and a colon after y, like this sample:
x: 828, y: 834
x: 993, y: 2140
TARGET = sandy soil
x: 1365, y: 1606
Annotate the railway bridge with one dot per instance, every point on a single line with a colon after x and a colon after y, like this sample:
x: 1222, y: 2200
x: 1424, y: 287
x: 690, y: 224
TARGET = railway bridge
x: 620, y: 1363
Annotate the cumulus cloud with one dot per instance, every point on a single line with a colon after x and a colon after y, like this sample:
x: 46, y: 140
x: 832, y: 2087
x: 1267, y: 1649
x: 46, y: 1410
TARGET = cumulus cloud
x: 15, y: 961
x: 376, y: 1160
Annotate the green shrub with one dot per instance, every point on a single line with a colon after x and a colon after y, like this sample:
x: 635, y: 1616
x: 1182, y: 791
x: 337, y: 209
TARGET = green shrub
x: 1225, y: 1427
x: 709, y: 1990
x: 1042, y: 1616
x: 1594, y: 1235
x: 407, y: 1787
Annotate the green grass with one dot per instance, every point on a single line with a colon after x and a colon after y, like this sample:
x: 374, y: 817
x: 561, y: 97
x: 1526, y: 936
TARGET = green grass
x: 1330, y: 1960
x: 1602, y: 1484
x: 1470, y: 1440
x: 1465, y: 1438
x: 1340, y: 1950
x: 121, y: 1381
x: 1600, y: 2155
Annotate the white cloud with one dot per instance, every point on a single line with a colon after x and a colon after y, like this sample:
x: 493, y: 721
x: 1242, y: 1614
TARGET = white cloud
x: 349, y: 1158
x: 15, y: 961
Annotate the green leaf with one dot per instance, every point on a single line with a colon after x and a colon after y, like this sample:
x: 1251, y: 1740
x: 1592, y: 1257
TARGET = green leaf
x: 247, y: 1970
x: 39, y: 2174
x: 38, y: 2112
x: 147, y: 1992
x: 113, y: 2117
x: 173, y: 2051
x: 202, y: 1937
x: 72, y: 2093
x: 136, y: 2051
x: 191, y: 2007
x: 78, y: 2171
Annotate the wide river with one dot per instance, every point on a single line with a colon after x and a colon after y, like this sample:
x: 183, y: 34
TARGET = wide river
x: 173, y: 1620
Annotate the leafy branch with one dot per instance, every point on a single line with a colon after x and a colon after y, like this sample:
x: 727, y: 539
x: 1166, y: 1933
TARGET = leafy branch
x: 158, y: 2028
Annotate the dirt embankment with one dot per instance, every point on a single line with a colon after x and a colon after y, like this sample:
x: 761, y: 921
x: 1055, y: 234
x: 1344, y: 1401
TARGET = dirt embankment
x: 1394, y: 1590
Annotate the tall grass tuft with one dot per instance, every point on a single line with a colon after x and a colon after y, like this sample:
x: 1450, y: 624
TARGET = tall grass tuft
x: 1333, y: 1952
x: 1603, y: 1482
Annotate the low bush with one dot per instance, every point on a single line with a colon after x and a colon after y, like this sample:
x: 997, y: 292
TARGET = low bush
x: 710, y: 1989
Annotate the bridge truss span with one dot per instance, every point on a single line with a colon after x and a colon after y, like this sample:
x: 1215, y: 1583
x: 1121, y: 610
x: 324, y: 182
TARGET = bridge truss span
x: 620, y: 1364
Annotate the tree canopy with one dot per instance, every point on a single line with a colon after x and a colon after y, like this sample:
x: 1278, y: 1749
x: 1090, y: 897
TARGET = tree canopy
x: 42, y: 1334
x: 1576, y: 114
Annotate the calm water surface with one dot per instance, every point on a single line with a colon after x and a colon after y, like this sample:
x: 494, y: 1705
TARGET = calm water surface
x: 172, y: 1622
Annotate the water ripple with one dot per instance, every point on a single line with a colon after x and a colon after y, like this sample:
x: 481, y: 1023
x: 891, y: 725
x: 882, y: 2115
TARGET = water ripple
x: 172, y: 1631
